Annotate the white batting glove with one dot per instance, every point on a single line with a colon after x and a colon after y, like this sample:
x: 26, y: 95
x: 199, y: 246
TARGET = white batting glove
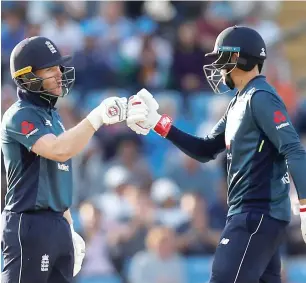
x: 295, y: 205
x: 159, y: 123
x: 79, y: 251
x: 112, y: 110
x: 303, y: 221
x: 138, y: 113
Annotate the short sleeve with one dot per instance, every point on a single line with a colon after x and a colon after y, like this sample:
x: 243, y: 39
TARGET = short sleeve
x: 270, y: 114
x: 26, y: 126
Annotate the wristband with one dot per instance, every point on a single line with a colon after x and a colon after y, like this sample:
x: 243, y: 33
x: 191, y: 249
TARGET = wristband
x: 163, y: 125
x: 303, y: 208
x: 95, y: 118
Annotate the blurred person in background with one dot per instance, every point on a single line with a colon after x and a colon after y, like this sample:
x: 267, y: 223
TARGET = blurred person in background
x: 78, y: 10
x: 112, y: 201
x: 128, y: 148
x: 190, y: 9
x: 33, y: 29
x: 12, y: 32
x: 216, y: 108
x: 160, y: 263
x: 88, y: 167
x: 97, y: 262
x: 192, y: 176
x: 8, y: 96
x: 124, y: 244
x: 65, y: 32
x: 196, y: 237
x: 91, y: 70
x: 146, y: 56
x: 188, y: 60
x: 152, y: 149
x: 113, y: 28
x: 166, y: 195
x: 216, y: 16
x: 38, y: 12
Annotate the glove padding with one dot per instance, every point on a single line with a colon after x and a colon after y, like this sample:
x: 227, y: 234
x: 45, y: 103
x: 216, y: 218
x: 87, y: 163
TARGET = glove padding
x: 112, y: 110
x: 295, y: 206
x: 138, y: 104
x: 79, y: 251
x: 303, y: 221
x: 299, y: 209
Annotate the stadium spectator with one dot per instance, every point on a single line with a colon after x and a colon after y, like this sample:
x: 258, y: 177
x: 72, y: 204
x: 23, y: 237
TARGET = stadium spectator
x: 160, y: 263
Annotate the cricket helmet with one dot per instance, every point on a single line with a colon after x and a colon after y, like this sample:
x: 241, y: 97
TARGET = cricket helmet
x: 36, y: 53
x: 250, y: 48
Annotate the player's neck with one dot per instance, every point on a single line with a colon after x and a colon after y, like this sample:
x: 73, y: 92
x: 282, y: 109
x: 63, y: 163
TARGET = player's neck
x: 244, y: 79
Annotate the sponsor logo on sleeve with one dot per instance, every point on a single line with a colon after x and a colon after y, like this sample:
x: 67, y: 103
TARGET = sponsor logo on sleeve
x: 28, y: 129
x: 280, y: 120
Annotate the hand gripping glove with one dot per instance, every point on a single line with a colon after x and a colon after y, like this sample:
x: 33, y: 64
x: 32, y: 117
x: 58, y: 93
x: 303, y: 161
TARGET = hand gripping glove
x: 161, y: 124
x: 137, y: 113
x: 112, y: 110
x: 79, y: 251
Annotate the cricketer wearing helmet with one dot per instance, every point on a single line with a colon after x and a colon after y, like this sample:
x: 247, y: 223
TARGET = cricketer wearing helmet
x: 262, y: 149
x: 39, y: 243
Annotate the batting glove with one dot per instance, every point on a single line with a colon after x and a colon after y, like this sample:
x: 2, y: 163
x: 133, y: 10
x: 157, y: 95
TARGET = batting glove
x: 112, y: 110
x: 161, y: 124
x: 297, y: 209
x: 303, y: 221
x: 79, y: 251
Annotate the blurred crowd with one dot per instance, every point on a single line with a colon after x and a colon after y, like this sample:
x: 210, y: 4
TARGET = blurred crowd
x: 141, y: 205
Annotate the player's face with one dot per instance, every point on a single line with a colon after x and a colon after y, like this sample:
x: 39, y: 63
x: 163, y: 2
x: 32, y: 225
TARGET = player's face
x: 224, y: 72
x: 52, y: 79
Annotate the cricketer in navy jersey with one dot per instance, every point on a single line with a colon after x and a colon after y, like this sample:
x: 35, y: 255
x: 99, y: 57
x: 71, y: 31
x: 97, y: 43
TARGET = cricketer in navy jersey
x: 33, y: 182
x: 38, y: 241
x: 262, y: 149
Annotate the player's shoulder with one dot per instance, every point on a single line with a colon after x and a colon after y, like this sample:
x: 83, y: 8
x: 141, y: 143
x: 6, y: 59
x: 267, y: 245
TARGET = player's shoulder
x: 261, y: 92
x: 18, y: 111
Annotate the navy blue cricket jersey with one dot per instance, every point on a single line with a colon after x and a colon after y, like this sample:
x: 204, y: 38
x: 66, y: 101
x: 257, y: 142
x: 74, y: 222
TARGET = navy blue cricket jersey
x: 261, y: 145
x: 34, y: 182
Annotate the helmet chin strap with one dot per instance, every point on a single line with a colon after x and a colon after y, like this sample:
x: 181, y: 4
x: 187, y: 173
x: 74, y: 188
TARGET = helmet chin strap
x: 229, y: 81
x: 51, y: 100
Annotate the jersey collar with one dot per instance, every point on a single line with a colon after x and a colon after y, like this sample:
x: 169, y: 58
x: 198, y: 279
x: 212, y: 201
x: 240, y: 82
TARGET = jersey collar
x: 37, y: 99
x: 250, y: 83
